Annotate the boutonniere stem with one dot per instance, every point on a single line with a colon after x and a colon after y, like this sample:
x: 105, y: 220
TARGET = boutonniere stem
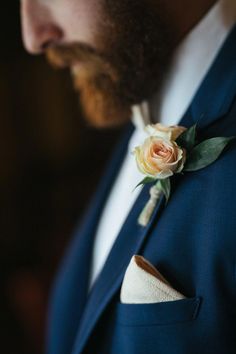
x: 148, y: 210
x: 168, y: 151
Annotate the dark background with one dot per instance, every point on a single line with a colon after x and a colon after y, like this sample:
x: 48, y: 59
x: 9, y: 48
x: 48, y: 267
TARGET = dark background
x: 50, y: 164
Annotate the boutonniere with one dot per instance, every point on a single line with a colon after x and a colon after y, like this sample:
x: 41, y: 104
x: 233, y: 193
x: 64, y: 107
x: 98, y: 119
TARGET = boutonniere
x: 170, y: 150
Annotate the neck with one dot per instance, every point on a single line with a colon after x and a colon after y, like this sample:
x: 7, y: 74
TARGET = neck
x: 185, y: 14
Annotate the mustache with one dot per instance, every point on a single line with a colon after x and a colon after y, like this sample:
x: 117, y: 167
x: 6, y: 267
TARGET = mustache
x: 66, y: 55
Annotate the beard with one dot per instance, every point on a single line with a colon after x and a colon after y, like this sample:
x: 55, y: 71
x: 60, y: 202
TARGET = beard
x: 133, y: 48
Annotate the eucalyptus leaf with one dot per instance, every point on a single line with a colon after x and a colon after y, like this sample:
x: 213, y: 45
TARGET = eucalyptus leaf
x: 188, y: 138
x: 165, y: 186
x: 206, y: 153
x: 146, y: 180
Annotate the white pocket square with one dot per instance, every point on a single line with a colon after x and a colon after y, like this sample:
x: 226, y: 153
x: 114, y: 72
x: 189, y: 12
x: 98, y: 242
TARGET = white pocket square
x: 143, y: 284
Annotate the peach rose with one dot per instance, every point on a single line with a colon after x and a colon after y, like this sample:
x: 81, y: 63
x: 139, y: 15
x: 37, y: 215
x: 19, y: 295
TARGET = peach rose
x: 163, y: 131
x: 159, y: 158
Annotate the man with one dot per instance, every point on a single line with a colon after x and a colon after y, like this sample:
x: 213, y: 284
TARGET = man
x: 172, y: 62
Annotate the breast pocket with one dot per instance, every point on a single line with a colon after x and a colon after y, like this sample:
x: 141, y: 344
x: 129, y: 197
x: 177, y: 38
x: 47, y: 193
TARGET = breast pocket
x: 153, y: 328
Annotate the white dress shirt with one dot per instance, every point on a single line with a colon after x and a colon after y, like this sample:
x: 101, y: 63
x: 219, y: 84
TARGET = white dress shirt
x: 189, y: 66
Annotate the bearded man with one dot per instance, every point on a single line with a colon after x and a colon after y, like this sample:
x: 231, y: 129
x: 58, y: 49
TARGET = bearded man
x: 163, y: 282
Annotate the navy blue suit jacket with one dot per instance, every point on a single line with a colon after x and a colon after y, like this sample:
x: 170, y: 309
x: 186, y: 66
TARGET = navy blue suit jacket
x: 192, y: 242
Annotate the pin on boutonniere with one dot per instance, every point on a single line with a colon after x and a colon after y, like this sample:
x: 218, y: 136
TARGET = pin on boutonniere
x: 170, y: 150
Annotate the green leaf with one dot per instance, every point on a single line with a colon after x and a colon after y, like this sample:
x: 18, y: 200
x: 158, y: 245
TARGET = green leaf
x: 206, y: 153
x: 165, y: 186
x: 187, y: 138
x: 146, y: 180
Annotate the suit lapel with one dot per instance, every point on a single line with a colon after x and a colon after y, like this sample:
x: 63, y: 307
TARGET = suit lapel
x: 70, y: 293
x: 212, y: 101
